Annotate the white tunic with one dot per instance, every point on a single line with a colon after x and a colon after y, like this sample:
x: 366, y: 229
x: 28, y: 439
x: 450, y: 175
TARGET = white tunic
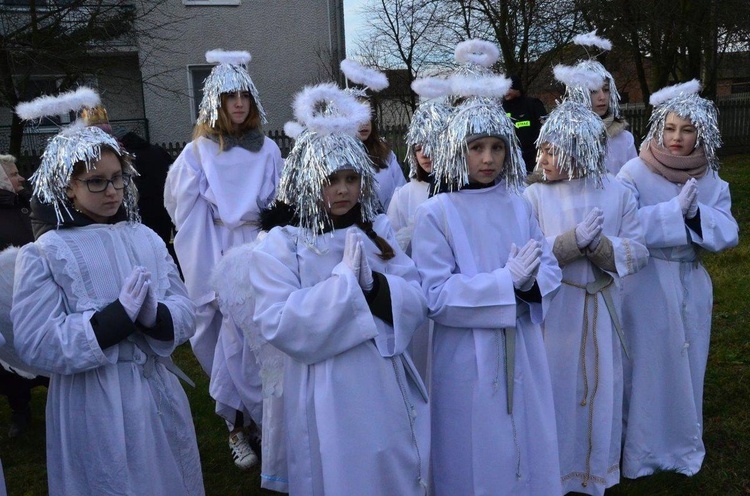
x: 620, y: 149
x: 214, y: 198
x: 667, y: 311
x: 461, y: 243
x: 355, y: 409
x: 560, y: 206
x: 388, y: 180
x: 401, y: 213
x: 118, y: 422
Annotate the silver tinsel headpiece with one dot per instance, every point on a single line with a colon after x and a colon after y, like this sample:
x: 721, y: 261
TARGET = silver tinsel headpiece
x: 326, y: 144
x: 230, y: 76
x: 579, y: 138
x: 427, y: 123
x: 582, y: 94
x: 477, y: 115
x: 77, y: 143
x: 683, y: 100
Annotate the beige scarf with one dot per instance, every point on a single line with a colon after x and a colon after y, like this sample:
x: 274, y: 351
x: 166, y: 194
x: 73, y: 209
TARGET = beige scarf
x: 614, y: 127
x: 676, y: 169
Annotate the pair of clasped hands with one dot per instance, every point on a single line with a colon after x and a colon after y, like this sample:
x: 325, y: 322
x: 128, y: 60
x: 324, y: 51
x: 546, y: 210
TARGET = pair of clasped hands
x: 356, y: 259
x: 688, y: 198
x: 138, y: 297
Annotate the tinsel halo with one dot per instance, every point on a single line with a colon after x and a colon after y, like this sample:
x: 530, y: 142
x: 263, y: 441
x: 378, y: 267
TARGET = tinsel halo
x: 579, y: 138
x: 477, y: 115
x: 582, y: 94
x: 684, y: 101
x: 326, y: 144
x: 230, y: 76
x: 427, y: 123
x: 78, y: 142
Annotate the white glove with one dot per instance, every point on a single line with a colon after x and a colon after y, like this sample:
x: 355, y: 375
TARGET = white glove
x: 524, y: 264
x: 352, y: 249
x: 147, y: 315
x: 688, y: 198
x: 590, y: 228
x: 133, y: 292
x: 365, y: 273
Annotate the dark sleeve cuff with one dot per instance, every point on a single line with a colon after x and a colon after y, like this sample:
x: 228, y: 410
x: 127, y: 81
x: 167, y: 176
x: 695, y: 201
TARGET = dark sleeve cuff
x: 694, y: 224
x: 111, y: 325
x: 163, y: 330
x: 379, y: 298
x: 533, y: 295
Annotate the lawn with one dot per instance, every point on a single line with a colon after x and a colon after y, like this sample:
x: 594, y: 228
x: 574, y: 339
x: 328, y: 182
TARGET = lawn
x: 726, y: 470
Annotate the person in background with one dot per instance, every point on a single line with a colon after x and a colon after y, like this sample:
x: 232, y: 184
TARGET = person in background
x: 15, y: 230
x: 527, y: 114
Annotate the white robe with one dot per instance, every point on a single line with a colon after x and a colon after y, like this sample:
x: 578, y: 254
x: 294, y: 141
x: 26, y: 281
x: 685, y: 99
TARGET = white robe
x: 215, y: 199
x: 118, y: 422
x: 401, y: 213
x: 667, y: 311
x: 620, y: 149
x: 560, y: 206
x: 461, y: 244
x: 355, y: 408
x: 388, y: 180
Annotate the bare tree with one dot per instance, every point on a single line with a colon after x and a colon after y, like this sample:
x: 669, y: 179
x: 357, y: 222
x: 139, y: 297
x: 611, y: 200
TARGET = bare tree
x: 69, y: 38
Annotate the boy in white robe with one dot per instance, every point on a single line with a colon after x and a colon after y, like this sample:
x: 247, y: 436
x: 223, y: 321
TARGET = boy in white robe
x: 591, y: 222
x: 489, y: 276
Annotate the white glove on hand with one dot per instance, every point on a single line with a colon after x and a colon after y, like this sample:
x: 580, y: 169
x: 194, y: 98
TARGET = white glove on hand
x: 147, y: 315
x: 365, y: 273
x: 688, y: 198
x: 590, y: 228
x: 524, y: 264
x: 133, y: 292
x: 352, y: 247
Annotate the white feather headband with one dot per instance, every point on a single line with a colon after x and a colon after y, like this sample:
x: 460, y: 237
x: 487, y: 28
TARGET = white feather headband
x: 357, y: 73
x: 342, y: 112
x: 293, y: 129
x: 219, y: 56
x: 578, y: 76
x: 664, y: 94
x: 431, y: 87
x: 483, y: 86
x: 477, y: 52
x: 44, y: 106
x: 591, y: 39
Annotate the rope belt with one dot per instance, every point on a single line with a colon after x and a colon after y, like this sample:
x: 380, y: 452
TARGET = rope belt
x: 130, y: 352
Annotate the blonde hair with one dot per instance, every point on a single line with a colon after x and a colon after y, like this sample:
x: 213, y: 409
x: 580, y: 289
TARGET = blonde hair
x: 223, y: 126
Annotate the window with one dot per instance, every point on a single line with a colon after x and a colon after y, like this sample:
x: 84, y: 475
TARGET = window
x: 196, y: 75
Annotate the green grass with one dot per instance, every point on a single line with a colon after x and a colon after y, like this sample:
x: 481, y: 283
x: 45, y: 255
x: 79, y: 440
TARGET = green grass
x: 726, y: 470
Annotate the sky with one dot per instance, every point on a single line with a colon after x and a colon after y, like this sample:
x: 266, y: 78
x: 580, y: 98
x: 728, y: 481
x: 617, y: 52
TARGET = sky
x: 353, y: 23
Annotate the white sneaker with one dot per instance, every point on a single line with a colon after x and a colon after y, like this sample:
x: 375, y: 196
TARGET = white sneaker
x: 243, y: 455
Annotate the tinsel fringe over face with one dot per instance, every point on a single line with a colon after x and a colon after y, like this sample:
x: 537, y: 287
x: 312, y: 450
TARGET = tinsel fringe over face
x: 579, y: 138
x: 582, y: 94
x: 427, y: 124
x: 476, y: 115
x: 78, y: 143
x: 701, y: 112
x: 226, y: 78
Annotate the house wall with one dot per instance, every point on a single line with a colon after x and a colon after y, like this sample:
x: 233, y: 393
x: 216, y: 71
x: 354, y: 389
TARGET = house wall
x: 284, y: 38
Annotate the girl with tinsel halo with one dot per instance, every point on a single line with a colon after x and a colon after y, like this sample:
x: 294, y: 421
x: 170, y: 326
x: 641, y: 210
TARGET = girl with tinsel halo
x: 685, y: 210
x: 99, y: 305
x: 489, y: 276
x: 603, y: 100
x: 334, y: 292
x: 591, y: 222
x: 388, y: 173
x: 214, y: 193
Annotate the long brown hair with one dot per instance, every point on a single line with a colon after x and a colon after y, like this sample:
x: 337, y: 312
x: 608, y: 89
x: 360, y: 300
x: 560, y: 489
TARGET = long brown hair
x: 224, y: 127
x: 386, y: 250
x: 377, y: 148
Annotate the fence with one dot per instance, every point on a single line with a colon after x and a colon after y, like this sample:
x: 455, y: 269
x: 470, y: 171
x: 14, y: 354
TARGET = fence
x: 734, y: 123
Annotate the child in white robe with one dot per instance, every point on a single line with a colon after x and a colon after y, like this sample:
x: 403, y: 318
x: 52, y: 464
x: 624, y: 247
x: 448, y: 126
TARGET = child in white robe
x: 685, y: 210
x: 335, y: 293
x: 591, y: 222
x: 214, y: 193
x: 99, y: 305
x: 489, y: 276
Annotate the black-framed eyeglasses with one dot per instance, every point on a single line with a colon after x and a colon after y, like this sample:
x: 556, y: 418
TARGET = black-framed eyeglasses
x: 99, y: 184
